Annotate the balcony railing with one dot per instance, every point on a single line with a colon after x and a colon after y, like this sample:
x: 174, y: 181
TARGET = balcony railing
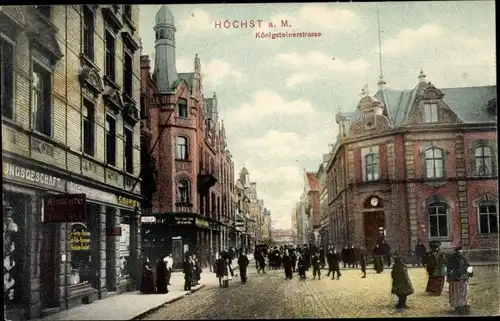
x: 184, y: 207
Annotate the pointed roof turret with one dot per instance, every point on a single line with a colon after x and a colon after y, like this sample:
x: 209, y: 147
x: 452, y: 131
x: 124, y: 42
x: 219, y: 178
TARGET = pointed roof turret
x: 164, y: 16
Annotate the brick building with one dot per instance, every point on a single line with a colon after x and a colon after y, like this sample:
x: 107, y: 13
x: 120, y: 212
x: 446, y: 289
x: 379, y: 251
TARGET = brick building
x: 312, y: 207
x: 417, y: 164
x: 70, y: 82
x: 190, y: 209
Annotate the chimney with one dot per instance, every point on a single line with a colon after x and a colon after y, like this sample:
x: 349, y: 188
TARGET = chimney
x: 145, y: 62
x: 421, y: 77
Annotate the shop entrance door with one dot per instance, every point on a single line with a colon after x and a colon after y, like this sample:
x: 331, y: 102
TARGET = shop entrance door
x: 49, y: 265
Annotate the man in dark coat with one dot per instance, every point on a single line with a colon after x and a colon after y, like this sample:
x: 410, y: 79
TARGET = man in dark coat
x: 316, y: 265
x: 262, y: 263
x: 301, y: 267
x: 387, y: 253
x: 256, y: 258
x: 362, y: 261
x: 353, y: 256
x: 333, y: 263
x: 293, y: 258
x: 420, y: 252
x: 188, y: 273
x: 378, y: 262
x: 243, y: 265
x: 345, y: 256
x: 220, y: 268
x: 287, y: 265
x: 161, y: 276
x: 322, y: 256
x: 306, y: 256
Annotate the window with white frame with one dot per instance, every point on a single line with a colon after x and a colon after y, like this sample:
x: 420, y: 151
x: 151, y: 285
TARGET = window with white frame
x: 438, y: 219
x: 434, y: 163
x: 430, y: 113
x: 183, y: 189
x: 370, y: 163
x: 487, y: 222
x: 182, y: 148
x: 483, y: 160
x: 41, y: 99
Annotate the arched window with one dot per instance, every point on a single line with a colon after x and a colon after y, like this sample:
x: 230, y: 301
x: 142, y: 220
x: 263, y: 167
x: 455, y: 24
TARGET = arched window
x: 487, y: 220
x: 182, y: 148
x: 434, y: 163
x: 437, y: 213
x: 184, y: 191
x: 371, y: 167
x: 483, y: 160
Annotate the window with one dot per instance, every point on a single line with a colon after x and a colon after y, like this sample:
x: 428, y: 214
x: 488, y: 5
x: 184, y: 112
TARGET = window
x: 182, y: 108
x: 483, y: 160
x: 488, y: 218
x: 88, y: 33
x: 434, y: 163
x: 110, y: 140
x: 430, y: 112
x: 371, y: 167
x: 162, y: 33
x: 45, y: 10
x: 127, y: 11
x: 41, y: 99
x: 127, y: 73
x: 7, y: 77
x: 110, y: 56
x: 184, y: 191
x: 182, y: 148
x: 438, y: 219
x: 88, y: 127
x: 144, y: 113
x: 129, y: 150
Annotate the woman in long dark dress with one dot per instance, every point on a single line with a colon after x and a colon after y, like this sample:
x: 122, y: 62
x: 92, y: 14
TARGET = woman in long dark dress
x: 401, y: 283
x: 220, y: 268
x: 161, y: 276
x: 147, y: 281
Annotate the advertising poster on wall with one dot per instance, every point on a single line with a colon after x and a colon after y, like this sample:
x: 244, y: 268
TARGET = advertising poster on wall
x: 124, y: 249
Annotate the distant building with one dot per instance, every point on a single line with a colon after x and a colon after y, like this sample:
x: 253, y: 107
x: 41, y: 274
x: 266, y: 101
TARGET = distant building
x: 282, y: 236
x: 417, y: 164
x: 312, y: 208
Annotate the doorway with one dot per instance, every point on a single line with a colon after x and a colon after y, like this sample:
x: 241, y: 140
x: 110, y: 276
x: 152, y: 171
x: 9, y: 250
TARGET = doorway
x: 48, y: 266
x: 374, y: 223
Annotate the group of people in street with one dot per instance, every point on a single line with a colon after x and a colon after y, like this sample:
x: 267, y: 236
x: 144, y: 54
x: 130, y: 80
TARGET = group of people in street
x: 163, y: 274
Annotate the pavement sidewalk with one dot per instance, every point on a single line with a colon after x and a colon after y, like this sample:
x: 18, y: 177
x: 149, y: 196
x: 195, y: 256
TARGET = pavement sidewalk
x: 134, y: 305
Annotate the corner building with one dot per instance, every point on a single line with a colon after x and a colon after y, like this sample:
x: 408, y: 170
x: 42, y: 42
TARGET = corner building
x: 190, y: 208
x: 70, y: 82
x: 417, y: 164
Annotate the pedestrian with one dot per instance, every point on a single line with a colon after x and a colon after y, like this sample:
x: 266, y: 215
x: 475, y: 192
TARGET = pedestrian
x: 256, y: 254
x: 435, y: 264
x: 333, y: 260
x: 420, y: 251
x: 147, y: 281
x: 322, y: 256
x: 378, y: 262
x: 220, y: 268
x: 161, y: 276
x: 198, y: 270
x: 316, y: 265
x: 243, y: 265
x: 362, y: 261
x: 345, y: 256
x: 228, y: 276
x: 287, y: 265
x: 401, y: 283
x: 293, y: 257
x: 354, y: 253
x: 169, y: 263
x: 301, y: 266
x: 458, y: 273
x: 386, y: 250
x: 262, y: 263
x: 188, y: 273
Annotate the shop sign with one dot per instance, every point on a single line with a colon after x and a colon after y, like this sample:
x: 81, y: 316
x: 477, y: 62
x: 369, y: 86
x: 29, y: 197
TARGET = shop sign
x: 79, y: 237
x: 64, y: 208
x: 148, y: 219
x: 182, y: 220
x: 202, y: 223
x: 127, y: 201
x: 92, y: 193
x: 114, y: 231
x: 30, y: 176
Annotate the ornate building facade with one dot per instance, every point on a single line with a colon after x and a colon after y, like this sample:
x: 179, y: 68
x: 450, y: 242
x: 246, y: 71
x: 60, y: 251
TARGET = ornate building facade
x: 70, y: 87
x: 417, y: 164
x: 190, y: 209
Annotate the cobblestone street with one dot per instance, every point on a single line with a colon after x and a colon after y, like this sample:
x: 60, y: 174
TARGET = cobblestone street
x: 271, y: 296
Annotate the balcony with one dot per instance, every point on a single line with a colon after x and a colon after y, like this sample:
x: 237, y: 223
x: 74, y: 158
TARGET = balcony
x: 183, y: 207
x: 206, y: 181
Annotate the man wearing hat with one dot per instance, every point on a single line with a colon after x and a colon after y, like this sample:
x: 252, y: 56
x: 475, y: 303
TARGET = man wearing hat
x: 435, y: 263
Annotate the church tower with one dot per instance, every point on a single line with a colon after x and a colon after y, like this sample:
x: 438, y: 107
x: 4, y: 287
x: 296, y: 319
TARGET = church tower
x: 165, y: 72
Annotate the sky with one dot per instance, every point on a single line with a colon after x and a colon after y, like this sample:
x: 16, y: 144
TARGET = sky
x: 278, y: 97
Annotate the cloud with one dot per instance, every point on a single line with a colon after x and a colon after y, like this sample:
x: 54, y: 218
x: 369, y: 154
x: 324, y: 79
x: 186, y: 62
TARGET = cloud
x: 407, y: 38
x: 325, y: 17
x: 316, y: 65
x: 268, y: 103
x: 213, y: 73
x: 198, y: 21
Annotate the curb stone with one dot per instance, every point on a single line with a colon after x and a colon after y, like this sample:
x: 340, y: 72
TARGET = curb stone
x: 158, y: 307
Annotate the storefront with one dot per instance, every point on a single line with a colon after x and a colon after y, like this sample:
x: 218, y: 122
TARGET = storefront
x: 54, y: 265
x: 178, y: 234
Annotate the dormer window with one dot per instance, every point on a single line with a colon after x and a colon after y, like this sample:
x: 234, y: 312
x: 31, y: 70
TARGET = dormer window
x: 430, y: 113
x: 182, y: 108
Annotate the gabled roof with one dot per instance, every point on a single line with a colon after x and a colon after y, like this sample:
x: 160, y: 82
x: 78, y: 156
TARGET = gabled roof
x: 312, y: 181
x: 188, y: 77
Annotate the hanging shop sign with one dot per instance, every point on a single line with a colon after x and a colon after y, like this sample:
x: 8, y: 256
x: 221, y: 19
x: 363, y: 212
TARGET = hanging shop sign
x: 202, y: 223
x: 183, y: 220
x: 24, y: 174
x: 127, y: 202
x: 64, y: 208
x: 79, y: 237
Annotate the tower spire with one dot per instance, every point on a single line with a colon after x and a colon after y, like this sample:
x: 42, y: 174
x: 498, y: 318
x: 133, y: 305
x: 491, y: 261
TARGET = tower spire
x: 381, y: 81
